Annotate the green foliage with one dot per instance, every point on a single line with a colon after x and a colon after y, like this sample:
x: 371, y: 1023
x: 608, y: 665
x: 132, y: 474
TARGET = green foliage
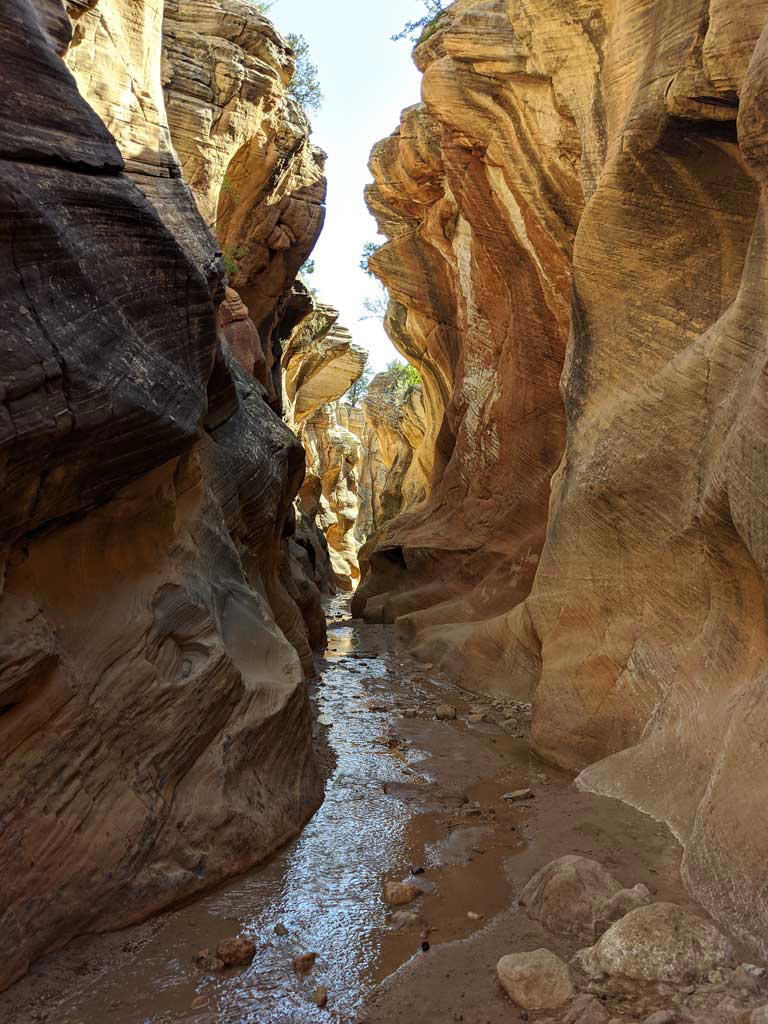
x: 308, y: 267
x: 369, y: 248
x: 404, y: 378
x: 232, y: 259
x: 304, y: 86
x: 376, y: 308
x: 228, y: 188
x: 423, y: 27
x: 264, y: 5
x: 359, y: 389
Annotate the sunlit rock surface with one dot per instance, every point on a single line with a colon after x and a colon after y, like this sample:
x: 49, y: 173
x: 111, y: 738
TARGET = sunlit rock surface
x: 643, y: 637
x: 320, y: 363
x: 154, y: 723
x: 391, y: 474
x: 478, y: 269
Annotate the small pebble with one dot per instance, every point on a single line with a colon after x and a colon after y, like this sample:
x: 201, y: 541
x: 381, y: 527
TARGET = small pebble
x: 320, y: 997
x: 303, y: 964
x: 237, y: 952
x: 207, y: 961
x: 519, y: 794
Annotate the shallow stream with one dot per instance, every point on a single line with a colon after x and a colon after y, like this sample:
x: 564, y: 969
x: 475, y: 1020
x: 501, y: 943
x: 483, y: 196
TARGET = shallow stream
x: 405, y: 791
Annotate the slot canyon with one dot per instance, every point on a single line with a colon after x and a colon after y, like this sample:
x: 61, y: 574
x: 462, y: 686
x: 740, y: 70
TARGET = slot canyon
x: 416, y: 694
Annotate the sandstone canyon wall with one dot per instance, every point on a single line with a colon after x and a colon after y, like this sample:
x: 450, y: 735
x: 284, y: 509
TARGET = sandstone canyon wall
x: 154, y: 721
x: 391, y: 474
x: 320, y: 364
x: 478, y: 269
x: 595, y: 171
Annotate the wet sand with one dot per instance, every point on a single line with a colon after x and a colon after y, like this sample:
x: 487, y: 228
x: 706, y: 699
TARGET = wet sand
x: 404, y: 792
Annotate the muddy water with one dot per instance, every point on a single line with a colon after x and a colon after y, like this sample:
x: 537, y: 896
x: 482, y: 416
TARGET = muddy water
x: 405, y: 791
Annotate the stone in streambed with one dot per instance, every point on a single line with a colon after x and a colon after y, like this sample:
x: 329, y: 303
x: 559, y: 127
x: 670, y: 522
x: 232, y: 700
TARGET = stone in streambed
x: 303, y: 964
x: 320, y: 997
x: 535, y: 981
x: 206, y: 961
x: 569, y: 895
x: 658, y: 943
x: 445, y: 713
x: 620, y: 904
x: 398, y: 894
x: 586, y: 1009
x: 237, y: 952
x: 519, y: 794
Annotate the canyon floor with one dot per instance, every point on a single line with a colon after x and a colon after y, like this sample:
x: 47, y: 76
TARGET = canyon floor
x: 405, y: 790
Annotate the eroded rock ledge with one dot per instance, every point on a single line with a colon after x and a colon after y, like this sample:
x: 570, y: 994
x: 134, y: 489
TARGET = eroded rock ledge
x: 154, y: 722
x: 594, y: 172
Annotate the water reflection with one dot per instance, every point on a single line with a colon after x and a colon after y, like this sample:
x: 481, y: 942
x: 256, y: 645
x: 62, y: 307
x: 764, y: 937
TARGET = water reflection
x: 325, y: 887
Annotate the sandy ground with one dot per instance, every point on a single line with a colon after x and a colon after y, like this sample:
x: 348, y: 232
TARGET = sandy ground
x: 404, y: 791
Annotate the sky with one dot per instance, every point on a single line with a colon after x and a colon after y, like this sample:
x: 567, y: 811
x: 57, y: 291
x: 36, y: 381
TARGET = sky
x: 367, y: 80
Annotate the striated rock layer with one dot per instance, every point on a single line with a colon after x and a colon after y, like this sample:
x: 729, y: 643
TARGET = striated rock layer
x: 644, y: 635
x: 154, y: 722
x: 320, y: 364
x: 391, y: 476
x: 478, y: 269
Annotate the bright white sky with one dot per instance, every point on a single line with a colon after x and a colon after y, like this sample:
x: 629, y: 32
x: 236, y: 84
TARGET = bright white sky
x: 367, y: 80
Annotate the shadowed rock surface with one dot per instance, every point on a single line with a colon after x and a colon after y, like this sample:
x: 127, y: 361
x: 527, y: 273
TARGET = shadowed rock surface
x: 154, y: 723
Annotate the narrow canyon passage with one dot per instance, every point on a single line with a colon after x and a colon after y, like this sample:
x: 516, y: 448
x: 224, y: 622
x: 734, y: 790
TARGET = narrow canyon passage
x: 342, y: 687
x: 409, y: 787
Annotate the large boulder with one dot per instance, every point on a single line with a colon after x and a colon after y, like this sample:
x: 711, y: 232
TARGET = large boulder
x: 569, y: 894
x: 535, y: 981
x: 658, y: 943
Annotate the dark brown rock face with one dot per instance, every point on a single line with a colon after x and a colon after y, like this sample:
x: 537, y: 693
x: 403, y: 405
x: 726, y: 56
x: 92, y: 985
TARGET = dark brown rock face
x: 154, y: 724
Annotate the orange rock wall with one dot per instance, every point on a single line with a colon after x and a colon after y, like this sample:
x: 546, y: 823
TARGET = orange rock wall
x: 640, y: 629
